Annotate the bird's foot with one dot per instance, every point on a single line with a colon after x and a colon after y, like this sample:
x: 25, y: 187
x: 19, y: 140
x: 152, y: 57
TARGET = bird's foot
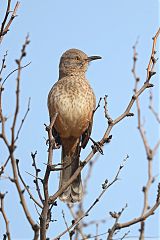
x: 97, y: 146
x: 52, y: 143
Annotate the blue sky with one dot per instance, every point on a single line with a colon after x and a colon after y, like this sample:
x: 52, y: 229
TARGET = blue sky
x: 108, y: 29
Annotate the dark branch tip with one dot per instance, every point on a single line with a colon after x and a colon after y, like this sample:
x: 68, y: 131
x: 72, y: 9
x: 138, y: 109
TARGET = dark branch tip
x: 130, y: 114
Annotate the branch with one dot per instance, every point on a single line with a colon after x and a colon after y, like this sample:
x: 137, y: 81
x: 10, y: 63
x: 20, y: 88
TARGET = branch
x: 37, y: 170
x: 45, y: 214
x: 18, y: 61
x: 75, y: 216
x: 105, y: 186
x: 141, y: 218
x: 5, y: 18
x: 14, y: 71
x: 3, y: 66
x: 64, y: 218
x: 152, y: 108
x: 11, y: 146
x: 5, y: 27
x: 149, y: 152
x: 2, y: 210
x: 116, y: 216
x: 2, y: 168
x: 22, y: 122
x: 152, y: 60
x: 26, y: 187
x: 118, y: 226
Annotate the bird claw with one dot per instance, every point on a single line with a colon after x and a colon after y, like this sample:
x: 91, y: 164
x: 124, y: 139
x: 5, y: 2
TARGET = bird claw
x: 53, y: 143
x: 56, y: 146
x: 97, y: 146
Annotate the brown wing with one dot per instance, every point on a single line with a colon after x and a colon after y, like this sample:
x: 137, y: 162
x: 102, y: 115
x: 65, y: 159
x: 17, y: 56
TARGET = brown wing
x: 86, y: 134
x: 56, y: 136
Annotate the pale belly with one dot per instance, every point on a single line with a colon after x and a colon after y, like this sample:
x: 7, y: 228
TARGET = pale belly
x: 74, y: 102
x: 74, y: 116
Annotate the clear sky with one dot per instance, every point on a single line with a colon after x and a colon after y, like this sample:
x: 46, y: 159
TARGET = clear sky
x: 105, y: 28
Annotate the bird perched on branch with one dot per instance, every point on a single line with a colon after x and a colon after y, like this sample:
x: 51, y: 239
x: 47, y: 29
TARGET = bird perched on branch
x: 73, y: 100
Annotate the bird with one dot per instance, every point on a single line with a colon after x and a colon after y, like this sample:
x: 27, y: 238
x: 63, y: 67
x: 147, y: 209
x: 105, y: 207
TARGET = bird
x: 74, y: 102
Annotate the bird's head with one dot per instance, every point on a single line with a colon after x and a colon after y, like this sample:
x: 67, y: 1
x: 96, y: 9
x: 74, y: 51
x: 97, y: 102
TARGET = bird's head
x: 74, y: 62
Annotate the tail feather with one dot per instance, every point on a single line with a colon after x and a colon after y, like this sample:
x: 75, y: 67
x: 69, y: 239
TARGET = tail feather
x: 70, y: 160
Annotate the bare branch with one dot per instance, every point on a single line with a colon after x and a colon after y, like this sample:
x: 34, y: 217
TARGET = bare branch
x: 91, y: 164
x: 23, y: 54
x: 45, y: 214
x: 15, y: 71
x: 116, y: 216
x: 5, y: 18
x: 26, y: 187
x: 78, y: 228
x: 2, y: 168
x: 141, y: 218
x: 11, y: 146
x: 37, y: 170
x: 3, y: 66
x: 138, y: 92
x: 22, y: 122
x: 106, y: 110
x: 64, y: 218
x: 105, y: 186
x: 156, y: 148
x: 5, y: 27
x: 2, y: 210
x: 152, y: 60
x: 152, y: 108
x: 98, y: 105
x: 149, y: 152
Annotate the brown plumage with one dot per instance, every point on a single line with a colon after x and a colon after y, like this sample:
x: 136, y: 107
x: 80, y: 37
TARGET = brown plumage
x: 74, y: 101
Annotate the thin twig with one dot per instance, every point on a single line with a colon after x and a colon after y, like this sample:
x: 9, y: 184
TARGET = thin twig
x: 149, y: 213
x: 5, y: 27
x: 86, y: 179
x: 23, y: 120
x: 98, y: 105
x: 143, y: 217
x: 3, y: 66
x: 2, y: 210
x: 26, y: 187
x: 152, y: 60
x: 63, y: 215
x: 37, y: 170
x: 2, y: 168
x: 18, y: 61
x: 106, y: 110
x: 157, y: 117
x: 14, y: 71
x: 35, y: 176
x: 75, y: 216
x: 5, y: 18
x: 116, y: 216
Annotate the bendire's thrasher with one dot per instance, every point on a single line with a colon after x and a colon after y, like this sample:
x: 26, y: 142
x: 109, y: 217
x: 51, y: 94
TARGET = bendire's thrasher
x: 72, y: 98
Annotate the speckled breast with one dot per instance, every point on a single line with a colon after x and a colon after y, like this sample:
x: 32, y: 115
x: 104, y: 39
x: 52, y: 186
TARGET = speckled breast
x: 74, y: 101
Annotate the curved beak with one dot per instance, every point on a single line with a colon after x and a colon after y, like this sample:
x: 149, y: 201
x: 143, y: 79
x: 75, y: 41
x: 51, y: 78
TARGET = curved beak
x: 92, y: 58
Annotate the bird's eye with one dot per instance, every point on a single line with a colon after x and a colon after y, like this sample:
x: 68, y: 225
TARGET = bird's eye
x: 77, y: 58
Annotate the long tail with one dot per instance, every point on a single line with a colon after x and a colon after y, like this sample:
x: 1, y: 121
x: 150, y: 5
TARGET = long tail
x: 70, y: 162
